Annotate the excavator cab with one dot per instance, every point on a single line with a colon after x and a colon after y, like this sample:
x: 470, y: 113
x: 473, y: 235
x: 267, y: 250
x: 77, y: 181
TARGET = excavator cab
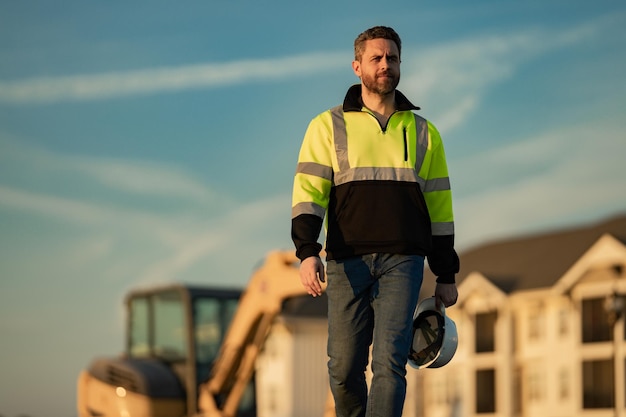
x: 173, y: 336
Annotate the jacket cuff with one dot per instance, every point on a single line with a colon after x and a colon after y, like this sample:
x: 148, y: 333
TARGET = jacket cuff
x: 308, y: 251
x: 446, y: 279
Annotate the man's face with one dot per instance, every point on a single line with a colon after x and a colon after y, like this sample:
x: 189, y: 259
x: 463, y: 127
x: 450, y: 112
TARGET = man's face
x: 379, y: 66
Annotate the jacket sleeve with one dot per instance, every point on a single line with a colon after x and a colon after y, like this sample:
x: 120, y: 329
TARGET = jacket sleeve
x: 311, y: 187
x: 443, y: 259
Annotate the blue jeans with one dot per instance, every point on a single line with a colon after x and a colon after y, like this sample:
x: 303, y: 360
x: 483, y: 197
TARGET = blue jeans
x: 371, y: 298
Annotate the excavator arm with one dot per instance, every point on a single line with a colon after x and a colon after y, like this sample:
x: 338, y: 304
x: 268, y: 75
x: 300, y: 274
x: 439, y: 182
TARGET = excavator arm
x: 274, y: 282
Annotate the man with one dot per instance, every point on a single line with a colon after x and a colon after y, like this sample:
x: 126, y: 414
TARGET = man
x: 378, y: 172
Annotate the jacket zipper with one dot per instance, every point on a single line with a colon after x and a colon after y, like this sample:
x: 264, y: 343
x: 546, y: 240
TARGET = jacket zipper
x: 404, y: 134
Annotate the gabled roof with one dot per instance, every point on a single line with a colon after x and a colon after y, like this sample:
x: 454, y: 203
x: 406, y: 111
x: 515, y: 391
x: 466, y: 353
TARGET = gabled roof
x: 533, y: 261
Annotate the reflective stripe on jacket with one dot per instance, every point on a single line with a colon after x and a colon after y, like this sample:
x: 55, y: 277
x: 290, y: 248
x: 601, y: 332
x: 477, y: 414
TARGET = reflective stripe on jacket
x: 382, y: 188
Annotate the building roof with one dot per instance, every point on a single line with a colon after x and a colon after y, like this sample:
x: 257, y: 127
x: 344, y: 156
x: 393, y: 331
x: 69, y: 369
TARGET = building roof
x: 534, y: 261
x: 305, y: 306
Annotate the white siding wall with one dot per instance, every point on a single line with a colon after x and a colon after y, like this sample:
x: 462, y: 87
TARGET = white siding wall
x: 291, y: 372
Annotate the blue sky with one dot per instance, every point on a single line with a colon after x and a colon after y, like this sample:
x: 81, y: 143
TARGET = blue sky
x: 147, y: 143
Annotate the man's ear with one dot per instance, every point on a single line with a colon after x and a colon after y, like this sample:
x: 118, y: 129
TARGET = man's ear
x: 356, y: 67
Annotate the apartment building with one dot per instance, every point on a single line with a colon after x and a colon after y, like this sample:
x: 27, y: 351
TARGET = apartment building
x: 542, y: 333
x: 541, y: 329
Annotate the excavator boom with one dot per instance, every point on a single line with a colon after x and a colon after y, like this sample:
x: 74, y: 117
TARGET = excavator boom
x: 274, y: 282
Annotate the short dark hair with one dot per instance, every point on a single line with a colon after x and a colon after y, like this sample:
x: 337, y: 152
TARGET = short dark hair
x: 377, y: 32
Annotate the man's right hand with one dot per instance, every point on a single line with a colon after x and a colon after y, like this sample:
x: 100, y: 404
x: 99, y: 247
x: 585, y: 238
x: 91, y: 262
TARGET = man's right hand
x: 312, y: 275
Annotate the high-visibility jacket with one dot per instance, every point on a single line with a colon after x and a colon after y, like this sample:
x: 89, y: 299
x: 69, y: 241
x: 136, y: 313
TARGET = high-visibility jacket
x: 382, y: 189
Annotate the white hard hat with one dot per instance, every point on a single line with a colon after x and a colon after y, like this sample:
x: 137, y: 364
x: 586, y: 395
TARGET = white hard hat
x: 434, y: 336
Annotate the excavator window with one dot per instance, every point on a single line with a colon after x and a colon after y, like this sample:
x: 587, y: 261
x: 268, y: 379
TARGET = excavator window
x: 211, y: 319
x: 157, y: 327
x: 139, y: 339
x: 170, y: 337
x: 212, y: 316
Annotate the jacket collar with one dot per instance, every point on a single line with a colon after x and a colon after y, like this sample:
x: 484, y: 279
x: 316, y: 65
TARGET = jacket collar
x: 353, y: 101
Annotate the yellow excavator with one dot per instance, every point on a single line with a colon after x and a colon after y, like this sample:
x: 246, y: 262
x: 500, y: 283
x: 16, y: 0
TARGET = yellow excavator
x: 191, y: 351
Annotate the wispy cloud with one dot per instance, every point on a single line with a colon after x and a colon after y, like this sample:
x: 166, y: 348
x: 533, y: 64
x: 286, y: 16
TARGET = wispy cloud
x: 114, y: 216
x: 169, y: 243
x: 231, y: 236
x: 551, y: 179
x: 127, y: 175
x: 145, y: 177
x: 459, y: 74
x: 85, y: 214
x: 163, y: 247
x: 468, y: 65
x: 169, y: 79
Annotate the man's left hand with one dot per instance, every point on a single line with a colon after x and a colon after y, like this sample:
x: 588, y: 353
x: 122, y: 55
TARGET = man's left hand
x: 445, y: 294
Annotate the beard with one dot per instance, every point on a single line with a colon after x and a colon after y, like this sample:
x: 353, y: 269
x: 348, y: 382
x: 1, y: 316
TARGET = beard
x: 381, y: 86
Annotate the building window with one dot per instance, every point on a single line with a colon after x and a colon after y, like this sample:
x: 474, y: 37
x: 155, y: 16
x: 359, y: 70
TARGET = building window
x: 517, y: 391
x: 564, y: 384
x: 598, y: 389
x: 535, y: 323
x: 535, y: 385
x: 486, y: 331
x: 486, y: 391
x: 439, y: 392
x: 595, y: 321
